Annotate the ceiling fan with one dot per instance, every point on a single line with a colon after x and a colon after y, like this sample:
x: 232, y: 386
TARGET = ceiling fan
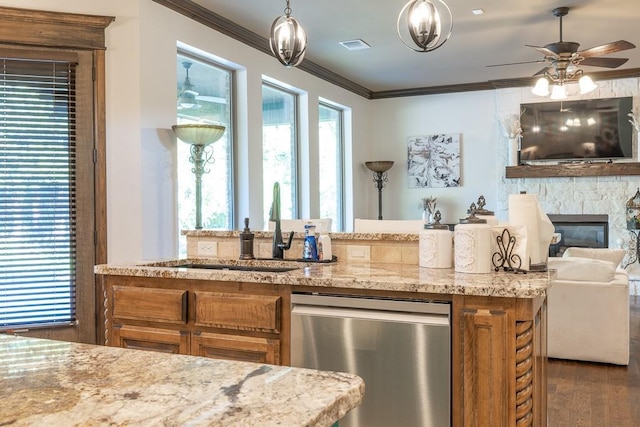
x: 563, y: 57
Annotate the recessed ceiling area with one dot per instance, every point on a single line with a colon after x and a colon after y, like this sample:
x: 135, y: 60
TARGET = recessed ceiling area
x: 497, y: 36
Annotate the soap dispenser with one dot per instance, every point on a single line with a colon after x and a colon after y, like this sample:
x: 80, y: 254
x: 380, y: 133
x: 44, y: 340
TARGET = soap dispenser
x: 246, y: 242
x: 310, y: 248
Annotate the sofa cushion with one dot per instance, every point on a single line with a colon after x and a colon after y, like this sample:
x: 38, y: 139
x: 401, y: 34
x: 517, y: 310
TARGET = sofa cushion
x: 606, y: 254
x: 582, y: 269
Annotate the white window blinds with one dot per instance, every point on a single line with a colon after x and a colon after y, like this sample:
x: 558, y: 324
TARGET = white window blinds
x: 37, y: 192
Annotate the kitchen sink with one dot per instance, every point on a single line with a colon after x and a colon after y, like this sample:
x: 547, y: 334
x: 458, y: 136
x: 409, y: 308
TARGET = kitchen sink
x: 233, y: 267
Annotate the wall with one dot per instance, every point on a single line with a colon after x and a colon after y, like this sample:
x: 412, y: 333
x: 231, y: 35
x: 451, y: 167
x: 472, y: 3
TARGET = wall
x: 471, y: 114
x: 141, y: 107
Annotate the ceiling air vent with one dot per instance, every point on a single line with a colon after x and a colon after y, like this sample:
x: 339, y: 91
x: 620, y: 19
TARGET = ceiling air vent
x: 355, y: 44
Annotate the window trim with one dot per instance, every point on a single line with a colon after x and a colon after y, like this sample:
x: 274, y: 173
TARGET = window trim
x: 44, y: 29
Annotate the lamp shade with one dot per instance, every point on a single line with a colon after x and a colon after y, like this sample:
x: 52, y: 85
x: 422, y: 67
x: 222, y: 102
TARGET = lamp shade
x: 541, y: 88
x: 379, y: 166
x: 586, y: 84
x: 558, y: 92
x: 198, y: 134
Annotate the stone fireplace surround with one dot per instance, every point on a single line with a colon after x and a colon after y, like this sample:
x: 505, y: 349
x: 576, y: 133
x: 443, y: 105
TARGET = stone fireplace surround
x: 600, y: 195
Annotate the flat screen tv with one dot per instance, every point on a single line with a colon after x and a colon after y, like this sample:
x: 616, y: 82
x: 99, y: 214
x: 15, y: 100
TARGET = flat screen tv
x: 584, y: 130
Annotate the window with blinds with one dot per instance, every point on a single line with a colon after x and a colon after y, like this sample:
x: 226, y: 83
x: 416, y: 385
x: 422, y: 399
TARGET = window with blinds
x: 37, y: 192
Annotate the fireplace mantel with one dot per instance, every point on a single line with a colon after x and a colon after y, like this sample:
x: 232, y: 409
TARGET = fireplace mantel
x: 573, y: 170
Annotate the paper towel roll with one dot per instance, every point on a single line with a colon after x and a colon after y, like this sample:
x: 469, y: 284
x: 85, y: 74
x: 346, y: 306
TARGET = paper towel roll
x: 472, y: 248
x: 436, y: 248
x: 520, y: 247
x: 525, y: 210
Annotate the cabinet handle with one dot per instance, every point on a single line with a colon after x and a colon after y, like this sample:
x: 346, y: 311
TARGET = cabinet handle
x: 185, y: 300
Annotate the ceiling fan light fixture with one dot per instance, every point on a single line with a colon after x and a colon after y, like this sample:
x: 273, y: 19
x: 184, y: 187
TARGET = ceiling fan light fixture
x: 422, y: 21
x: 541, y: 88
x: 558, y: 92
x: 288, y: 40
x: 586, y: 85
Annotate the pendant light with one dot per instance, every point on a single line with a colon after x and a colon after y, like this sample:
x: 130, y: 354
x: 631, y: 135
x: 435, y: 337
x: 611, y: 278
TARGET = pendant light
x: 187, y: 97
x: 424, y: 21
x: 288, y: 40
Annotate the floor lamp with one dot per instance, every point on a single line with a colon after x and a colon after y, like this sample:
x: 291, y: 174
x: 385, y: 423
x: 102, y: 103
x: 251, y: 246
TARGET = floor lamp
x: 379, y: 170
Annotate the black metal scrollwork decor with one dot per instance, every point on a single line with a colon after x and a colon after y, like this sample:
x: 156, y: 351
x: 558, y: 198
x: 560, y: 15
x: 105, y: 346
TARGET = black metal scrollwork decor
x: 505, y: 258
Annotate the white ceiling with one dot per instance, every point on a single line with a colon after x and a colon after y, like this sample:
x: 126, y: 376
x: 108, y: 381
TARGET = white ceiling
x: 498, y: 36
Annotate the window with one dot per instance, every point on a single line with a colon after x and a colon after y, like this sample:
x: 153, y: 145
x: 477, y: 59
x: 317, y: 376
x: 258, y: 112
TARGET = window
x: 204, y: 96
x: 331, y: 164
x: 279, y: 149
x: 38, y: 196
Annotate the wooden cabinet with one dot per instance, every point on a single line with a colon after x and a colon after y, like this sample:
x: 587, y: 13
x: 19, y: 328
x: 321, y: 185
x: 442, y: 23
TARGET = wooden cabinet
x: 499, y: 361
x: 224, y: 320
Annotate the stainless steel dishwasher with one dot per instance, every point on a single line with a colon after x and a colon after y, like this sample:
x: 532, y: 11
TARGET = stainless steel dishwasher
x: 402, y: 350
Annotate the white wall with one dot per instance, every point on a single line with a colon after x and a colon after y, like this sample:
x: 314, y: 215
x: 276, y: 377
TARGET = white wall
x: 471, y: 114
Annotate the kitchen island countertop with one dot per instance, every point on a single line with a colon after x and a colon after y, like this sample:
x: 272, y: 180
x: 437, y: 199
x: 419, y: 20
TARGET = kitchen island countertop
x: 348, y: 275
x: 45, y: 382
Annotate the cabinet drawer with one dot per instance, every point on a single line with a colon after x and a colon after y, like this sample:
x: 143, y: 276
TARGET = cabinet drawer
x: 234, y: 347
x: 238, y: 311
x: 150, y: 304
x: 153, y: 339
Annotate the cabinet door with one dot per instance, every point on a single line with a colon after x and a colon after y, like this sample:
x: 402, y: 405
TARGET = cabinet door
x: 236, y: 347
x: 154, y: 339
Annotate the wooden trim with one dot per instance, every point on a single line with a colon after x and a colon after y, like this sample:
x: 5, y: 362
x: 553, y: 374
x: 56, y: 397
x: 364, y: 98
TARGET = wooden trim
x: 573, y: 170
x: 53, y: 29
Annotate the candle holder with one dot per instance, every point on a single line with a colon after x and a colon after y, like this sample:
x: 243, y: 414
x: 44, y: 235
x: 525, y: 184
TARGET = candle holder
x: 379, y: 169
x: 200, y: 136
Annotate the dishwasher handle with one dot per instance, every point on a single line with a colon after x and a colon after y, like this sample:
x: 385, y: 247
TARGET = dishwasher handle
x: 366, y: 314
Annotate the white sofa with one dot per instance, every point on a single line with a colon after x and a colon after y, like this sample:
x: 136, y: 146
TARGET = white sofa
x: 588, y: 307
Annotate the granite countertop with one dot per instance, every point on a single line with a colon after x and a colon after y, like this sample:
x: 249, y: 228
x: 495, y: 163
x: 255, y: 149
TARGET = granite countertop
x: 45, y: 382
x: 349, y: 275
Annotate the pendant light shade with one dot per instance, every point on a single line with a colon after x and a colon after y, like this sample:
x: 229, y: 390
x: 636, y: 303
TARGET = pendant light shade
x: 422, y: 22
x: 558, y: 92
x: 541, y: 88
x: 288, y: 40
x: 586, y: 85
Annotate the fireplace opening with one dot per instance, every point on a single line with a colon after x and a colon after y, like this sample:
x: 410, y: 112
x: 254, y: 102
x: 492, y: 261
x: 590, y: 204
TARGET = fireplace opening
x: 584, y: 231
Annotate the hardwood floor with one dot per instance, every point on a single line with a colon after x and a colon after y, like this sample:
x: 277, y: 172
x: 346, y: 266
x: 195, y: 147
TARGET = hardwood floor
x: 596, y: 394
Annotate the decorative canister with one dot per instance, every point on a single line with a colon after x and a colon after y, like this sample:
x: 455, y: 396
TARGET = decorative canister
x: 436, y: 245
x: 472, y: 245
x: 633, y: 212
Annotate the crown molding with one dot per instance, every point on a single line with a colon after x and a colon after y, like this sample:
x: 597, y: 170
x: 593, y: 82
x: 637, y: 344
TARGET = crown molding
x: 218, y: 23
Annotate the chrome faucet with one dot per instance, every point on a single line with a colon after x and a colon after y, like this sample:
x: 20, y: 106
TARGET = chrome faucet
x: 278, y: 247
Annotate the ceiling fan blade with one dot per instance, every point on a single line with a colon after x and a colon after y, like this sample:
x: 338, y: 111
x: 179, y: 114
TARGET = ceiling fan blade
x: 517, y: 63
x: 541, y: 72
x: 544, y: 51
x: 604, y: 62
x: 606, y: 49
